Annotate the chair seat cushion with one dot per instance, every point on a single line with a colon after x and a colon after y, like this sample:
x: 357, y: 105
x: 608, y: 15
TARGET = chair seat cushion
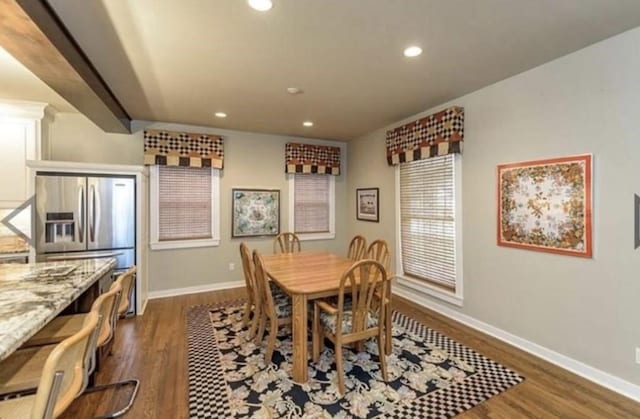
x: 276, y: 290
x: 282, y: 304
x: 57, y: 330
x: 328, y: 321
x: 17, y: 408
x: 23, y: 368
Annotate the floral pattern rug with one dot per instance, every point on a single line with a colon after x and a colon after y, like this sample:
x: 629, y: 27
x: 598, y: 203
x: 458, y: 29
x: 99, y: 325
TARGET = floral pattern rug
x: 430, y: 375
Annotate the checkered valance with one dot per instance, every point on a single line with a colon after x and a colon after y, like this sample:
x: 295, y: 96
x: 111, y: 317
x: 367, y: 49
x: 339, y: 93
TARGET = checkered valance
x: 167, y: 148
x: 434, y: 135
x: 307, y: 158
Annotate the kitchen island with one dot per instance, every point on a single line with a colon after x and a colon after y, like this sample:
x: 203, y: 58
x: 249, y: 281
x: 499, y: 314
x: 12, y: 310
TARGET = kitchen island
x: 32, y: 295
x: 13, y: 249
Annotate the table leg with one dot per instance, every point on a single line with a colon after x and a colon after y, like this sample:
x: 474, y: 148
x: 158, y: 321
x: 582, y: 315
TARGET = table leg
x: 300, y: 354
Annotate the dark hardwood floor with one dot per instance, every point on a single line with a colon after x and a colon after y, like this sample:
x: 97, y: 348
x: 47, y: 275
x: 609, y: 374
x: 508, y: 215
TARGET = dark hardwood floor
x: 152, y: 348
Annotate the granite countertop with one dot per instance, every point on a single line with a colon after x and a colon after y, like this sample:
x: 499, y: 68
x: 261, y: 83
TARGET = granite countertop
x: 32, y: 295
x: 12, y: 245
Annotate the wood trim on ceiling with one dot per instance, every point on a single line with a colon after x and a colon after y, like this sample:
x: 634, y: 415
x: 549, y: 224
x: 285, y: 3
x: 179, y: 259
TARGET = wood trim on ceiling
x: 33, y: 34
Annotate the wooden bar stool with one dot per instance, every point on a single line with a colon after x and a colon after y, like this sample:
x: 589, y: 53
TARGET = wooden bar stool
x: 61, y: 379
x: 22, y: 370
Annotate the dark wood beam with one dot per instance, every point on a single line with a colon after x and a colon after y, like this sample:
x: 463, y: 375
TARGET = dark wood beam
x: 32, y: 32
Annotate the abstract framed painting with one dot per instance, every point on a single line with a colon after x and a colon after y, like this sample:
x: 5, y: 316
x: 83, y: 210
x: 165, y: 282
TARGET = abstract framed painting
x: 255, y: 212
x: 545, y: 205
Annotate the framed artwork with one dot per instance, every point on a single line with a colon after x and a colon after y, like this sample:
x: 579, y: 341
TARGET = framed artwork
x: 367, y: 204
x: 255, y: 212
x: 545, y: 205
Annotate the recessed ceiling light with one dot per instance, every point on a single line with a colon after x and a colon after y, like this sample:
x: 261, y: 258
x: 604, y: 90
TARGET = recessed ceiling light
x: 412, y: 51
x: 294, y: 90
x: 307, y: 123
x: 260, y: 5
x: 221, y: 115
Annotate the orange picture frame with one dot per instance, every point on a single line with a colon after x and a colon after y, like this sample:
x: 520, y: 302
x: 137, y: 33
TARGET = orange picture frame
x: 546, y: 205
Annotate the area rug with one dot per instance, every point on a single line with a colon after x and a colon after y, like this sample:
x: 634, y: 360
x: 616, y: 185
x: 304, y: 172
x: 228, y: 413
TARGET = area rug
x: 430, y: 375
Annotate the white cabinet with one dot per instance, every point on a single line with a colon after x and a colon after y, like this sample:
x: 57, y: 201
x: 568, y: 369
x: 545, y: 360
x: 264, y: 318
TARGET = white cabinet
x: 20, y: 139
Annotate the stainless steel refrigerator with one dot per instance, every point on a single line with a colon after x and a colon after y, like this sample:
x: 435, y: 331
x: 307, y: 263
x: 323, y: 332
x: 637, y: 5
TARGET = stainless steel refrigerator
x: 85, y: 216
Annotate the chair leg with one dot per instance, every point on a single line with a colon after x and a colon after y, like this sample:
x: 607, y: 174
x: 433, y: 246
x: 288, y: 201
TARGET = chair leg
x: 273, y: 332
x: 134, y: 393
x: 255, y: 320
x: 388, y: 331
x: 339, y: 368
x: 247, y: 313
x: 261, y: 327
x: 315, y: 344
x: 382, y: 355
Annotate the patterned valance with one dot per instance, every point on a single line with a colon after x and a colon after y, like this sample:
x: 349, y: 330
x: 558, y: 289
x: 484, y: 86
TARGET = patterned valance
x: 167, y: 148
x: 435, y: 135
x: 307, y: 158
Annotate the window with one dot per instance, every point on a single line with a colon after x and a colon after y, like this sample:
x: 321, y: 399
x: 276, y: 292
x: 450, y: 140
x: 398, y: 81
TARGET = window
x: 430, y: 251
x: 311, y: 206
x: 184, y: 207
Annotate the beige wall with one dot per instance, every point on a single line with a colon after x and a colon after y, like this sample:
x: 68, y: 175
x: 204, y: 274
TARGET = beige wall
x: 587, y: 102
x: 251, y: 160
x: 73, y: 137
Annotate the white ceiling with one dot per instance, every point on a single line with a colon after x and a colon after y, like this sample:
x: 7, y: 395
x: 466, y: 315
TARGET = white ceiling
x: 181, y: 61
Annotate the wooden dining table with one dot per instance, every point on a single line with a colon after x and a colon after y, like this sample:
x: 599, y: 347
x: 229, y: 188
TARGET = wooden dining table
x: 305, y: 276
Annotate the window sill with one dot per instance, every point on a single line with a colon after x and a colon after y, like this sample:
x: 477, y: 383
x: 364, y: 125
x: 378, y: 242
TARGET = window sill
x: 184, y: 244
x: 425, y: 288
x: 316, y: 236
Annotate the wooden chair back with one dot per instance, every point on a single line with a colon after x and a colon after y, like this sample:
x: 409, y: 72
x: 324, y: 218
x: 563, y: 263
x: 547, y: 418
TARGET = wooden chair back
x: 379, y: 251
x: 63, y: 373
x: 109, y: 313
x: 357, y: 248
x: 286, y: 243
x: 262, y: 284
x: 363, y: 281
x: 249, y: 273
x: 127, y: 279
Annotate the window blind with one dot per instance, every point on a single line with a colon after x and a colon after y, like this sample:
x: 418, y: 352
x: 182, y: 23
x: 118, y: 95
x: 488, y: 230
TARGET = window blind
x: 311, y: 207
x: 184, y: 203
x: 427, y: 223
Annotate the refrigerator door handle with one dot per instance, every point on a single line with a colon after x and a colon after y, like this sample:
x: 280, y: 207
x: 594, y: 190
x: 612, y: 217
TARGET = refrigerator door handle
x: 82, y: 256
x: 92, y: 221
x: 81, y: 216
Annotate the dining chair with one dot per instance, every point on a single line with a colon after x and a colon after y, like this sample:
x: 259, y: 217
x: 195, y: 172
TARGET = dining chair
x: 379, y: 251
x: 286, y: 243
x: 276, y: 311
x: 357, y: 248
x: 353, y: 321
x: 252, y: 306
x: 61, y: 381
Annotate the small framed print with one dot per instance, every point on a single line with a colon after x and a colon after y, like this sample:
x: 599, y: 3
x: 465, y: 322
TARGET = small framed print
x: 367, y: 204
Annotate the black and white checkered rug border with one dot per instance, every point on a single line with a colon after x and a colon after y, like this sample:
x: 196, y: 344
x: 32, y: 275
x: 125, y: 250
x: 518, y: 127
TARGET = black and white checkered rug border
x: 208, y: 391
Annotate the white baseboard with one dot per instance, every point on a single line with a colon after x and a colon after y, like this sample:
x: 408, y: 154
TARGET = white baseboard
x: 144, y: 307
x: 590, y: 373
x: 195, y: 290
